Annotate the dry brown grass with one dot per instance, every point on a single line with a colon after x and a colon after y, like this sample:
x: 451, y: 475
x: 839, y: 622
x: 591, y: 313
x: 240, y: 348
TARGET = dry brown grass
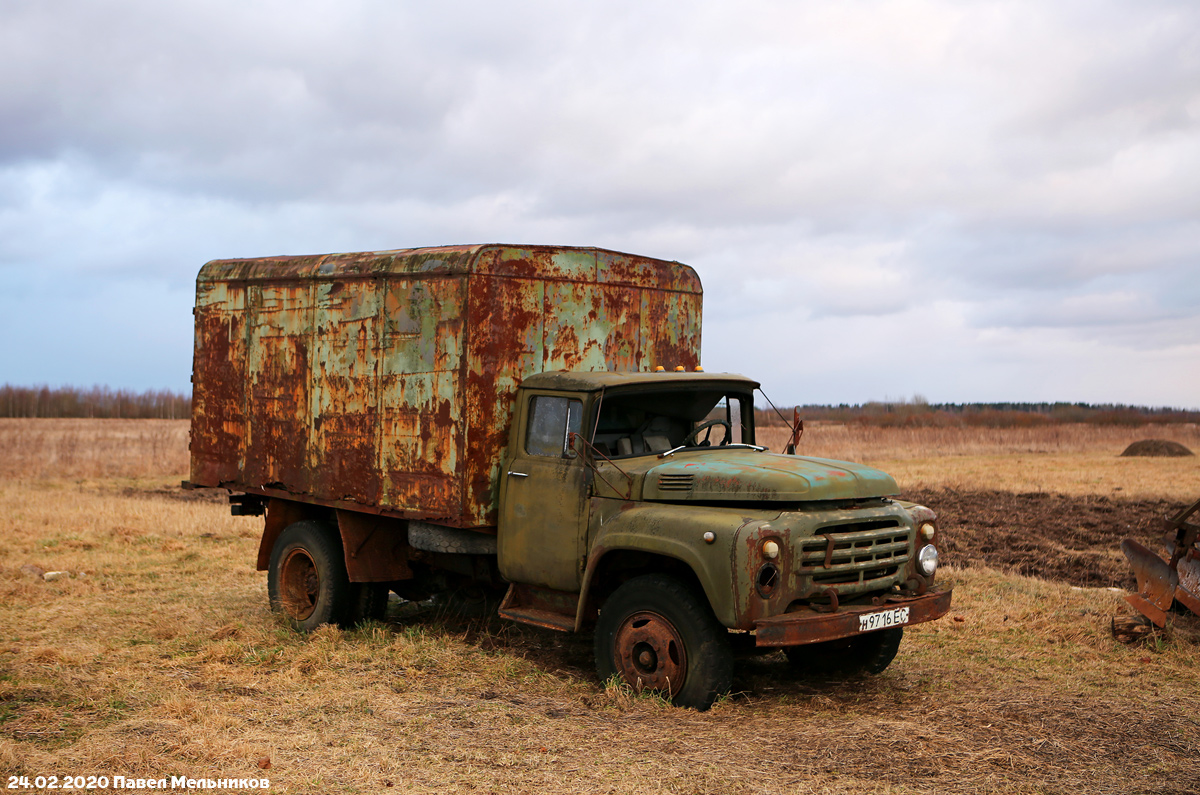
x: 163, y: 660
x: 83, y: 448
x: 1064, y: 459
x: 860, y: 442
x: 1068, y: 459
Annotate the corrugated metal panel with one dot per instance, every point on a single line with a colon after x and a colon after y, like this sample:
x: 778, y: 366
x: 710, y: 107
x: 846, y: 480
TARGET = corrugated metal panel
x: 344, y: 409
x: 278, y: 375
x: 419, y: 386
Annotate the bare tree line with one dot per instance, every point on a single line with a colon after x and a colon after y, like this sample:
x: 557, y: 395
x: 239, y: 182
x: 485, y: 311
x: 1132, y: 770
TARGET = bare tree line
x: 105, y: 402
x: 922, y: 414
x: 96, y: 401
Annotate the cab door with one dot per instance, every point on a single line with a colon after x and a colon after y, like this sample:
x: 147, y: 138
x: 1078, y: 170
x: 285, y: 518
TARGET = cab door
x: 544, y: 497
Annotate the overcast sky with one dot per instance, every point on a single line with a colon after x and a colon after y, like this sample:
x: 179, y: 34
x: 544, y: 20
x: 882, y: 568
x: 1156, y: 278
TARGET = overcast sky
x: 969, y: 201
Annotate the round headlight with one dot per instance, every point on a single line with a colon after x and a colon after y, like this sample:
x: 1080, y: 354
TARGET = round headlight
x: 770, y: 549
x: 927, y: 530
x: 927, y: 560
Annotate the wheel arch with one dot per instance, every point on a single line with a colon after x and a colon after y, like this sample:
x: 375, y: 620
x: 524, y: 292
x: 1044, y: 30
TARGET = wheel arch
x: 374, y: 548
x: 629, y: 539
x: 609, y: 568
x: 280, y: 515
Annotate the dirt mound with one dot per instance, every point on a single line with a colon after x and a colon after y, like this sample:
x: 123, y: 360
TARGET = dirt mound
x: 1072, y: 539
x: 1156, y: 447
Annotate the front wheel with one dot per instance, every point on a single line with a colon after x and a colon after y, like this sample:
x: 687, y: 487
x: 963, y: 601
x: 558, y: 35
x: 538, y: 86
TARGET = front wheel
x: 870, y: 654
x: 656, y: 634
x: 306, y: 578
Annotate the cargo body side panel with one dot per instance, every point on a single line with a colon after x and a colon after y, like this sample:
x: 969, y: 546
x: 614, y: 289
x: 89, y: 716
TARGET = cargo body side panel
x: 278, y: 373
x: 343, y: 438
x: 386, y: 380
x: 420, y: 397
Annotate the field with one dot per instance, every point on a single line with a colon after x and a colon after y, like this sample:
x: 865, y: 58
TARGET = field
x: 157, y: 656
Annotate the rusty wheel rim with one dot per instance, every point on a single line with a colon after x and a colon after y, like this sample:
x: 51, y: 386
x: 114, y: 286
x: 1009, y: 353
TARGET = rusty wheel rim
x: 300, y: 584
x: 649, y: 653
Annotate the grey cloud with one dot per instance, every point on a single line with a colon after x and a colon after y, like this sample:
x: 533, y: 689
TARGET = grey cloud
x: 944, y: 174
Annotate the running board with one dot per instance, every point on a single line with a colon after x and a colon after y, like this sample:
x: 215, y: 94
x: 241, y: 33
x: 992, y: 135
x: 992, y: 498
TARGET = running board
x: 540, y: 607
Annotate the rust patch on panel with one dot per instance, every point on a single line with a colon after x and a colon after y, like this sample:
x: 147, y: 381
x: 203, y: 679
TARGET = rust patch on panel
x: 342, y: 443
x: 420, y: 374
x: 279, y: 380
x: 505, y: 344
x: 219, y: 376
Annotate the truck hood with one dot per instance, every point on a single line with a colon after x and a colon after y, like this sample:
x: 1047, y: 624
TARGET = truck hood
x: 735, y: 475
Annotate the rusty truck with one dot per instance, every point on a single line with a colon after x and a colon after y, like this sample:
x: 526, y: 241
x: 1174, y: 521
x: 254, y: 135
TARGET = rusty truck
x: 536, y: 420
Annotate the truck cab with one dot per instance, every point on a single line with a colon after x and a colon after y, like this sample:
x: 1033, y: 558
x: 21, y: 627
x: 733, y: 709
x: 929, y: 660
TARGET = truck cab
x: 640, y: 504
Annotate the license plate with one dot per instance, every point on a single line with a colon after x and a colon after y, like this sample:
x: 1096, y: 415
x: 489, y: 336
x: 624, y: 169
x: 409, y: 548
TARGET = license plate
x: 882, y: 620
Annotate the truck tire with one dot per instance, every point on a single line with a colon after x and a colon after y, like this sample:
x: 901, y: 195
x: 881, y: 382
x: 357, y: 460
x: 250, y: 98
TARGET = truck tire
x: 657, y: 634
x: 368, y: 602
x: 868, y: 654
x: 306, y: 578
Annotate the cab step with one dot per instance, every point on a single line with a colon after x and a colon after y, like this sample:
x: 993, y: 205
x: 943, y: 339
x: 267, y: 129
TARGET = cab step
x: 540, y: 607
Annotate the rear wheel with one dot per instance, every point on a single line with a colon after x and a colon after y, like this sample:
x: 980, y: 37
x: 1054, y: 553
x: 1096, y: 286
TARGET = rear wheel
x: 306, y: 578
x: 862, y: 654
x: 368, y: 602
x: 657, y: 634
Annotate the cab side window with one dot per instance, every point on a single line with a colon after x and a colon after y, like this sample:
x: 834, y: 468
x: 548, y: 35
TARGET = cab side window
x: 551, y: 421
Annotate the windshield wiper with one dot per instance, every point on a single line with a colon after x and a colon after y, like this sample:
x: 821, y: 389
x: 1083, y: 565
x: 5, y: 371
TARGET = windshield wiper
x: 675, y: 450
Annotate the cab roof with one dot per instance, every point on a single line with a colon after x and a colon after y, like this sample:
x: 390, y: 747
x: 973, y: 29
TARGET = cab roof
x: 595, y: 381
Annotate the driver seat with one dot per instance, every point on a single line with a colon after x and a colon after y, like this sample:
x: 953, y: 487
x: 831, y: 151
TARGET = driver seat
x: 655, y: 437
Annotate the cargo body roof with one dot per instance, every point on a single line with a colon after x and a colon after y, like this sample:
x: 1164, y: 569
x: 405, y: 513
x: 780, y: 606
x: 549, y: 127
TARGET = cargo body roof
x: 557, y: 263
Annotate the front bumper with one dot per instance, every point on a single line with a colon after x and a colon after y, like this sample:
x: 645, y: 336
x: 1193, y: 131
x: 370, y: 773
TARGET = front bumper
x: 809, y: 626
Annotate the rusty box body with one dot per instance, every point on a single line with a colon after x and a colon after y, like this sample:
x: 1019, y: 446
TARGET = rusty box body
x: 384, y: 381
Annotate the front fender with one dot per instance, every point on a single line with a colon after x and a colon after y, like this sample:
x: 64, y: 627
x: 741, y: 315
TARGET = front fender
x: 673, y: 531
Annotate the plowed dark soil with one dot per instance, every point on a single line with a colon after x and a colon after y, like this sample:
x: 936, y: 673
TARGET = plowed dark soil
x: 1073, y: 539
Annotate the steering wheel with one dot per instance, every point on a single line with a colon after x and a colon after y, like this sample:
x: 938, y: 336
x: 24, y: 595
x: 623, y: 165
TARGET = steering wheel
x: 691, y: 437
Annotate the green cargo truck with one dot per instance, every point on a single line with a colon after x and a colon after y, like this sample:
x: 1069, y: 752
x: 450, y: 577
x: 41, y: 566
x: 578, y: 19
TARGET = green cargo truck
x: 536, y: 419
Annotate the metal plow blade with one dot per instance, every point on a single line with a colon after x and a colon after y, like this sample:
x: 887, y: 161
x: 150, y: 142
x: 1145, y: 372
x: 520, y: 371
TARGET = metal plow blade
x: 1161, y: 582
x: 1188, y: 590
x: 1156, y: 582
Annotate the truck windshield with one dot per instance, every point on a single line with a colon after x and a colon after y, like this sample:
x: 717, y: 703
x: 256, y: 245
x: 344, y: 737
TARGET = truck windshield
x: 643, y: 423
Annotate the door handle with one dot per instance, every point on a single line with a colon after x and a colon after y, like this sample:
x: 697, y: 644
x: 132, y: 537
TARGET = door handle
x: 518, y: 474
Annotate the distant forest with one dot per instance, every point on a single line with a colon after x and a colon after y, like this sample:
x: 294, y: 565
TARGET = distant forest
x: 97, y: 401
x: 920, y: 414
x: 100, y: 401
